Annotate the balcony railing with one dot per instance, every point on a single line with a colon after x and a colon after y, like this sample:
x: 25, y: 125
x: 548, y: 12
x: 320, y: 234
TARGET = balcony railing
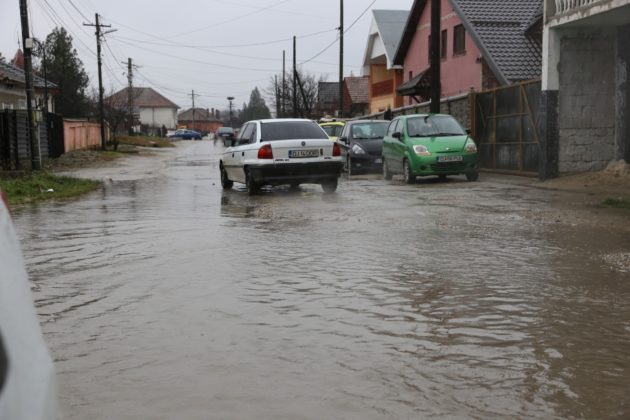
x: 564, y: 6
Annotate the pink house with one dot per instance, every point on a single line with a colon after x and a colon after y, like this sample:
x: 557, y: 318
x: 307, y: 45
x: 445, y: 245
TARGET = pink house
x: 483, y: 45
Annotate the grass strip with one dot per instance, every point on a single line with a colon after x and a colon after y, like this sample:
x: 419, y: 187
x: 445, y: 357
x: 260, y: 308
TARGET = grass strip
x: 618, y: 203
x: 145, y: 141
x: 40, y: 186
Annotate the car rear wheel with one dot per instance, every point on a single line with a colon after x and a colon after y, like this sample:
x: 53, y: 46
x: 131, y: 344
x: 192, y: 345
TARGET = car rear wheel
x: 472, y: 176
x: 409, y: 177
x: 330, y: 186
x: 386, y: 174
x: 225, y: 181
x: 442, y: 177
x: 252, y: 187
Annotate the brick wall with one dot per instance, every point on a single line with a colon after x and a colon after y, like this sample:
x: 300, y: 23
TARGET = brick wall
x: 587, y: 101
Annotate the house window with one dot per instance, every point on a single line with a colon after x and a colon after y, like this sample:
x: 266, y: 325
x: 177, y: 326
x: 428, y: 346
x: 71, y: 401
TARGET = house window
x: 459, y: 40
x: 443, y: 45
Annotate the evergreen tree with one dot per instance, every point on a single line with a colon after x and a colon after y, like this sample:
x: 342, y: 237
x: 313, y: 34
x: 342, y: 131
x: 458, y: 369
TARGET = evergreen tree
x: 66, y: 70
x: 256, y: 109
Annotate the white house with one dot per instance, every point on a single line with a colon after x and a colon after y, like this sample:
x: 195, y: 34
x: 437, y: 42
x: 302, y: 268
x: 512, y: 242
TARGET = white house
x: 152, y: 109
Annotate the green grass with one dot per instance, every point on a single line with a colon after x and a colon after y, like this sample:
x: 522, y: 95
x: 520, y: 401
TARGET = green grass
x: 618, y: 203
x: 35, y: 187
x: 145, y: 141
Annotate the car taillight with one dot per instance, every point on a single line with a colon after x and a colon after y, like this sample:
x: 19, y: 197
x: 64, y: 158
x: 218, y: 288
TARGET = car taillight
x: 336, y: 149
x: 265, y: 152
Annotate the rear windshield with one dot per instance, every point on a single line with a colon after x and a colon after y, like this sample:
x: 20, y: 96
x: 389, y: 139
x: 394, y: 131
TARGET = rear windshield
x: 371, y: 130
x: 291, y: 130
x: 226, y: 130
x: 333, y: 130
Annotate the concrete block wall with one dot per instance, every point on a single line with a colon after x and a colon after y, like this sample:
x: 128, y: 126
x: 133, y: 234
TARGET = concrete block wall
x: 587, y: 101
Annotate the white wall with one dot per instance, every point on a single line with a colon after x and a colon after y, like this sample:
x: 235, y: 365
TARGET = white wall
x: 157, y: 117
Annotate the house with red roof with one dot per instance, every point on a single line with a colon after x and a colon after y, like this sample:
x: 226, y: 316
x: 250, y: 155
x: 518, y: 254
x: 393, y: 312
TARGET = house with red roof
x: 151, y: 109
x: 355, y: 95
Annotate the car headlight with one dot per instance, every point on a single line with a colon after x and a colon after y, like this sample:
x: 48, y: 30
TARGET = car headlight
x: 357, y: 150
x: 470, y: 146
x: 421, y: 150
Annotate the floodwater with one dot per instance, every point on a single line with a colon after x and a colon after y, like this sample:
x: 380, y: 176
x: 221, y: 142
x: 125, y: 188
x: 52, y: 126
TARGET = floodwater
x: 164, y: 297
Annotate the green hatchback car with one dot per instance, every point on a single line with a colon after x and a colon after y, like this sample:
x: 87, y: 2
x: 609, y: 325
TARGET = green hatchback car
x: 428, y: 144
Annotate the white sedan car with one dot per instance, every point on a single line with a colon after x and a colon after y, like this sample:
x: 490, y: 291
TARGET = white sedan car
x: 281, y: 151
x: 27, y: 374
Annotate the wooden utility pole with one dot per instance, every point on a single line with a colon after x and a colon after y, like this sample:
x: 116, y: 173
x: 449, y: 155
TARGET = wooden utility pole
x: 436, y: 93
x: 284, y: 83
x: 193, y: 94
x: 341, y: 59
x: 99, y: 35
x: 277, y: 97
x: 295, y: 106
x: 130, y: 93
x: 27, y: 42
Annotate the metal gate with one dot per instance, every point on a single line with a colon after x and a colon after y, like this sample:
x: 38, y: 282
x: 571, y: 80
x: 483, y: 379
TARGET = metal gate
x: 504, y: 124
x: 54, y: 128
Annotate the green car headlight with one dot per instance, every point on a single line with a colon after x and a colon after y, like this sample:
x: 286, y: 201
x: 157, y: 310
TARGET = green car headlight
x: 470, y: 146
x: 421, y: 150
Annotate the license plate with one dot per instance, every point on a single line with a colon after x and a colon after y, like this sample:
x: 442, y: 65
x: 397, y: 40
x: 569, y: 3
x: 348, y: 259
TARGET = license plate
x: 304, y: 153
x: 450, y: 158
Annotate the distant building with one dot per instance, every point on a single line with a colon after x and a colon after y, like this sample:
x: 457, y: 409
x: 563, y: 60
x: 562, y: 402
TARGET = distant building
x: 151, y: 109
x: 201, y: 120
x: 356, y: 96
x: 327, y: 98
x: 384, y: 75
x: 12, y: 89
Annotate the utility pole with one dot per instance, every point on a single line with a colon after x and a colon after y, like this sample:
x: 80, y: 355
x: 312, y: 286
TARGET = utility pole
x: 130, y: 93
x: 99, y: 36
x: 277, y: 98
x: 27, y: 42
x: 436, y: 93
x: 231, y: 98
x: 193, y: 94
x: 284, y: 83
x: 294, y: 78
x: 341, y: 59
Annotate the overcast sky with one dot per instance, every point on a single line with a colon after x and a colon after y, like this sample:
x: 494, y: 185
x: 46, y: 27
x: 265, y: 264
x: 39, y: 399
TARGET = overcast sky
x: 219, y: 48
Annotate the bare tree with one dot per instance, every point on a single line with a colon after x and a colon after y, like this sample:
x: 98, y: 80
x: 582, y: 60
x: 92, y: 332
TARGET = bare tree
x: 306, y: 91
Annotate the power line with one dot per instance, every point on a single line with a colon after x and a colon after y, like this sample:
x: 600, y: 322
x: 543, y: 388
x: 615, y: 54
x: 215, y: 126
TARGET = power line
x: 77, y: 9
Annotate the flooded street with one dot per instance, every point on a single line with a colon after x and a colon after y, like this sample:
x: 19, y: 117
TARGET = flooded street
x: 164, y: 297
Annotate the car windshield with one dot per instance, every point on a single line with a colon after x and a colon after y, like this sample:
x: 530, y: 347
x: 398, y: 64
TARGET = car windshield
x: 371, y: 130
x: 291, y: 130
x: 226, y: 130
x: 434, y: 125
x: 333, y: 130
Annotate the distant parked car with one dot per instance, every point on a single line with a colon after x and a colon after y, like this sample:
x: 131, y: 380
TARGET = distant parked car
x: 27, y: 374
x: 361, y: 144
x: 281, y: 151
x: 428, y: 144
x: 227, y: 134
x: 184, y: 134
x: 332, y: 128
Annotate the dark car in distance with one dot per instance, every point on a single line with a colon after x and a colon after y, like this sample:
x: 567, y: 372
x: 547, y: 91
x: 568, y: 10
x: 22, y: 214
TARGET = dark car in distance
x: 227, y: 134
x: 184, y: 134
x: 361, y: 144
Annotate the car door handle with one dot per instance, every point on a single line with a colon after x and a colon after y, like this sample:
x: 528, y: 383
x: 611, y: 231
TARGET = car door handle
x: 242, y: 153
x: 232, y: 154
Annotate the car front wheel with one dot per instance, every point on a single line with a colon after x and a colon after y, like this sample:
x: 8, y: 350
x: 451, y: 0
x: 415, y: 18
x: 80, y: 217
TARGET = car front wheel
x: 330, y: 186
x: 409, y: 177
x: 225, y: 181
x: 349, y: 166
x: 472, y: 176
x: 386, y: 174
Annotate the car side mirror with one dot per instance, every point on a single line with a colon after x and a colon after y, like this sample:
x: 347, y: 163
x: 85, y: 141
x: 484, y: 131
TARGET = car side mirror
x: 397, y: 135
x: 468, y: 131
x: 343, y: 139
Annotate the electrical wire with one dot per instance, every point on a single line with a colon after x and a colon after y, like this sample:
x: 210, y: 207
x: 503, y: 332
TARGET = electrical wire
x: 78, y: 10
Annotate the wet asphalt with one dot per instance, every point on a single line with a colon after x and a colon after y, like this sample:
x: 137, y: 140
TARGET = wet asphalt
x: 162, y: 296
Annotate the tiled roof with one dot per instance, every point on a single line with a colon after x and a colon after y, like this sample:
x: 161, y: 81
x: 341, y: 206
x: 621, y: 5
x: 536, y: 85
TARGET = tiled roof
x: 499, y: 27
x: 10, y: 73
x: 391, y: 24
x: 500, y: 30
x: 200, y: 114
x: 328, y: 93
x: 144, y: 97
x: 358, y: 89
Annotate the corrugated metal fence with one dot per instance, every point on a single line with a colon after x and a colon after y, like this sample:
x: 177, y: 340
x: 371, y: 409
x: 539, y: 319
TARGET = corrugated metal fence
x: 15, y: 150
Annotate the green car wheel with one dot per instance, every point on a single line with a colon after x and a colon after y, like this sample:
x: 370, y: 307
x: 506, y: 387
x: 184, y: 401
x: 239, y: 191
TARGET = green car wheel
x: 409, y: 176
x: 386, y: 174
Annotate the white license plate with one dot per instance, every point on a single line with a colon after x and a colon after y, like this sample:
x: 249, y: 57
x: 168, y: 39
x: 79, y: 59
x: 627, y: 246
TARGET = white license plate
x: 306, y: 153
x: 450, y: 158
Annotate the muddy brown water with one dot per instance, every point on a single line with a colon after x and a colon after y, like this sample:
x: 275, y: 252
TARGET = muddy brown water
x: 164, y: 297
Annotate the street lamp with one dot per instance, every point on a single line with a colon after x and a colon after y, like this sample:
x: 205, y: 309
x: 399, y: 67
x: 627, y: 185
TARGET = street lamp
x: 230, y: 98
